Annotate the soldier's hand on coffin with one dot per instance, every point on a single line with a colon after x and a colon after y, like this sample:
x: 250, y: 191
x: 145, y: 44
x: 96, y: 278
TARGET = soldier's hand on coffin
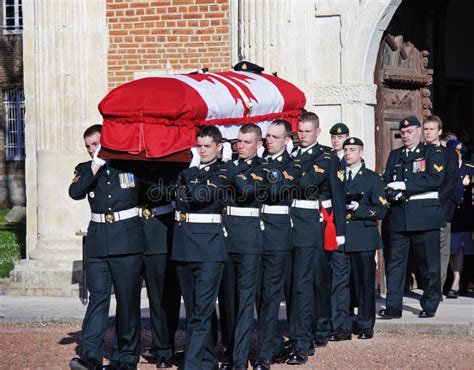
x: 226, y: 152
x: 397, y: 185
x: 352, y: 206
x: 98, y: 161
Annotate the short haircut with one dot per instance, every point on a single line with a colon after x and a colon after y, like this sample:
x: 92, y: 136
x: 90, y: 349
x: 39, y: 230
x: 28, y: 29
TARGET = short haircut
x: 434, y: 119
x: 310, y: 117
x: 285, y: 124
x: 445, y: 136
x: 252, y: 128
x: 211, y: 131
x: 92, y: 130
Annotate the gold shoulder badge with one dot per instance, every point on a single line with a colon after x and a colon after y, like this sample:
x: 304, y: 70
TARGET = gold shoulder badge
x: 76, y: 178
x: 256, y: 177
x: 318, y: 169
x: 340, y: 175
x: 338, y: 130
x: 438, y: 168
x: 383, y: 201
x: 287, y: 176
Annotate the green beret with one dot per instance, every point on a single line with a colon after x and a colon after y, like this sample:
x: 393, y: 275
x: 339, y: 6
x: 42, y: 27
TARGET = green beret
x: 353, y: 141
x: 339, y: 129
x: 409, y: 121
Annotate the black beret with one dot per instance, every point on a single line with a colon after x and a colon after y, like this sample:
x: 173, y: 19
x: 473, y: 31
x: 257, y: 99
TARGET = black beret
x: 339, y: 129
x: 245, y: 66
x: 353, y: 141
x: 409, y: 121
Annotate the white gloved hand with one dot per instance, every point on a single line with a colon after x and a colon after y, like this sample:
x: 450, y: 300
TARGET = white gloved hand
x: 340, y: 240
x: 226, y: 152
x: 196, y: 159
x: 398, y: 196
x: 397, y: 185
x: 353, y: 206
x: 289, y: 146
x: 98, y: 161
x: 260, y: 151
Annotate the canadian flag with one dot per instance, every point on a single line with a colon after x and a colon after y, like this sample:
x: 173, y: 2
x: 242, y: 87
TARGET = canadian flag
x: 160, y: 115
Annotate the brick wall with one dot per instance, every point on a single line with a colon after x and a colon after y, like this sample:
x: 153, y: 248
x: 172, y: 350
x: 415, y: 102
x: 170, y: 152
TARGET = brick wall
x: 161, y: 34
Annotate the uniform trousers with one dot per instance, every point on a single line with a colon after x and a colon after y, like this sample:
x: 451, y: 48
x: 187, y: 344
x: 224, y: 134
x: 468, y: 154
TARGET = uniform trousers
x: 322, y: 325
x: 427, y: 249
x: 164, y: 296
x: 124, y: 273
x: 200, y: 286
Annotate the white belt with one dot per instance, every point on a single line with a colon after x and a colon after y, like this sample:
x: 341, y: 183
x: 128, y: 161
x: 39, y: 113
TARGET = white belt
x: 211, y: 218
x: 427, y: 195
x: 307, y: 204
x: 114, y: 216
x: 242, y: 211
x: 275, y: 210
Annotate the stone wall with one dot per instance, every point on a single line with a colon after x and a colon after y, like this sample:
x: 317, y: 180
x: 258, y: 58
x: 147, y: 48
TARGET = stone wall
x: 166, y: 34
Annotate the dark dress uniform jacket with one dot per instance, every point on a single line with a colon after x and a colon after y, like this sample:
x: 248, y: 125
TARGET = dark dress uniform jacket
x: 362, y: 233
x: 446, y: 190
x: 423, y: 171
x: 277, y: 233
x: 247, y: 182
x: 200, y: 191
x: 322, y: 179
x: 106, y: 193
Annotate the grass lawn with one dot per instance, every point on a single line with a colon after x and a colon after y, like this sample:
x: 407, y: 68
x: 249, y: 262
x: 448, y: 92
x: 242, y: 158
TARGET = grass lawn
x: 12, y: 243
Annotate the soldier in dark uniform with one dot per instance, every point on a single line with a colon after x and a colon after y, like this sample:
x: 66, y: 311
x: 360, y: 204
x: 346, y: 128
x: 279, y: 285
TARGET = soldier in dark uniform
x: 114, y: 256
x: 161, y: 280
x: 244, y: 242
x: 199, y: 247
x: 413, y: 176
x: 318, y: 187
x: 339, y: 133
x: 282, y: 174
x: 432, y: 128
x: 365, y: 204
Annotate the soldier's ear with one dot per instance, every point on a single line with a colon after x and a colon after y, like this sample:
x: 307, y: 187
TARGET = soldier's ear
x: 440, y: 131
x: 219, y: 146
x: 259, y: 144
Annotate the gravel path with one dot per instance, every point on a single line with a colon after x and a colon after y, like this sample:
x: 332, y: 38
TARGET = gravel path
x: 50, y: 346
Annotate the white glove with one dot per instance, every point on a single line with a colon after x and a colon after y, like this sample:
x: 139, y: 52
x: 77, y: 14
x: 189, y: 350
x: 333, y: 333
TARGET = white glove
x: 226, y: 152
x: 260, y: 151
x: 98, y: 161
x: 353, y: 206
x: 289, y: 146
x: 398, y: 196
x: 397, y: 185
x: 340, y: 240
x: 196, y: 159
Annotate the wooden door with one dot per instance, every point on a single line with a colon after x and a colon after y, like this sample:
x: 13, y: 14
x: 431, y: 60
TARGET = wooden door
x: 402, y: 89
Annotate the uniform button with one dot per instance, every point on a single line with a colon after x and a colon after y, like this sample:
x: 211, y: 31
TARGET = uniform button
x: 108, y: 182
x: 347, y: 222
x: 406, y: 180
x: 110, y: 209
x: 406, y: 169
x: 110, y: 196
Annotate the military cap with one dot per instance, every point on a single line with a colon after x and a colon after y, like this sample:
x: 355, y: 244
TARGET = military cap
x: 409, y: 121
x: 339, y: 129
x: 245, y: 66
x: 458, y: 145
x: 353, y: 141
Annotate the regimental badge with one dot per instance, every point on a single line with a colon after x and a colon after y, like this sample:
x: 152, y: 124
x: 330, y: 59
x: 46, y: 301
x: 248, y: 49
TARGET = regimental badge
x: 406, y: 123
x: 91, y: 194
x: 340, y: 175
x: 338, y: 130
x: 287, y: 176
x: 438, y: 168
x: 279, y: 159
x: 318, y: 169
x: 211, y: 184
x: 206, y: 168
x: 127, y: 180
x: 255, y: 177
x: 417, y: 150
x: 310, y: 151
x: 383, y: 201
x: 249, y: 161
x: 244, y: 66
x: 466, y: 180
x: 419, y: 165
x: 351, y: 140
